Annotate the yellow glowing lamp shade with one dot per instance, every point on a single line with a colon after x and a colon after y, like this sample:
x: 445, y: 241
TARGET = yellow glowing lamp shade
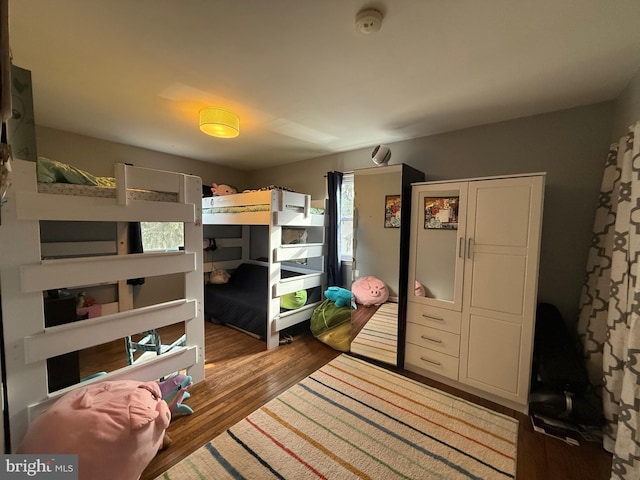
x: 219, y: 122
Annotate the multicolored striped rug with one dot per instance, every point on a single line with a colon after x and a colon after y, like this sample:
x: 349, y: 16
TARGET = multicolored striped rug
x: 351, y: 419
x: 378, y: 339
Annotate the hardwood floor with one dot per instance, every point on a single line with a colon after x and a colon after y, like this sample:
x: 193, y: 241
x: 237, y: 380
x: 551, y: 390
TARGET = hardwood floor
x: 241, y: 376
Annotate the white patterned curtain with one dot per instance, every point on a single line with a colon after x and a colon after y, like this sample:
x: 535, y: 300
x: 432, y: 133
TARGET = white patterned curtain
x: 610, y: 306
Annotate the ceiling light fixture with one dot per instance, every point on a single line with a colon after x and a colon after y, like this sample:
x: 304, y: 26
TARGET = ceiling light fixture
x: 218, y: 122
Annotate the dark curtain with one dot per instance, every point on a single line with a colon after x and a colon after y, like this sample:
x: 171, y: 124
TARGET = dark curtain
x: 135, y: 246
x: 332, y: 267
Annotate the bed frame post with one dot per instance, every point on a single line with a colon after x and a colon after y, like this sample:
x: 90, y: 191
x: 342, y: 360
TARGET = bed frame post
x: 22, y: 313
x: 194, y: 329
x: 275, y: 271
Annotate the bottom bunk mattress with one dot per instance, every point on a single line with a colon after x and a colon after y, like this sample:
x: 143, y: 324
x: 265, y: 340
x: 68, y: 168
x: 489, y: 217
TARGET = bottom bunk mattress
x: 242, y: 301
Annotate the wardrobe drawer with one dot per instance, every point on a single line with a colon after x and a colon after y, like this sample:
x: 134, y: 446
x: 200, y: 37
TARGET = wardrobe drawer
x: 440, y: 318
x: 434, y: 339
x: 427, y: 359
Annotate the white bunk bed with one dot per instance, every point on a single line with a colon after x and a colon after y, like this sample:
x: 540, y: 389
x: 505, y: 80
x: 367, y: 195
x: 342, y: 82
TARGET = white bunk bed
x: 277, y: 210
x: 24, y: 276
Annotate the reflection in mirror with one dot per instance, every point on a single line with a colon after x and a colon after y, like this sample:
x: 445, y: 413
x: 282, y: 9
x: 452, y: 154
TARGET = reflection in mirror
x: 381, y: 220
x: 437, y: 236
x: 377, y: 208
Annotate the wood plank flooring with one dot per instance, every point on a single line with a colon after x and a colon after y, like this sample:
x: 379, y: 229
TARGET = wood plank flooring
x: 241, y: 376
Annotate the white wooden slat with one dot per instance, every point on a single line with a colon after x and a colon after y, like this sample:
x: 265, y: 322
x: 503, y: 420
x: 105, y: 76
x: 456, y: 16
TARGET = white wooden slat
x: 74, y: 336
x: 71, y: 249
x: 263, y: 197
x: 47, y: 206
x: 181, y: 358
x: 293, y: 317
x: 77, y: 272
x: 298, y: 219
x: 242, y: 218
x: 294, y: 199
x: 151, y: 179
x: 295, y: 251
x: 301, y: 282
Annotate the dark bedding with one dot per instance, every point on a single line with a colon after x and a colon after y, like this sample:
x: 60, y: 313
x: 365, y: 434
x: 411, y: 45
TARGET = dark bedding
x: 242, y: 302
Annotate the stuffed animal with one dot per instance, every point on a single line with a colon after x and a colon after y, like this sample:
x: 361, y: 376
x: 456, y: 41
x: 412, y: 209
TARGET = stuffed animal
x: 340, y: 296
x: 115, y: 428
x: 222, y: 189
x: 369, y: 291
x: 174, y: 391
x: 218, y: 276
x: 419, y: 290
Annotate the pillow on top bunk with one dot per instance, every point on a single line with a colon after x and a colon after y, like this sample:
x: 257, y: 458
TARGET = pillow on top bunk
x: 51, y: 171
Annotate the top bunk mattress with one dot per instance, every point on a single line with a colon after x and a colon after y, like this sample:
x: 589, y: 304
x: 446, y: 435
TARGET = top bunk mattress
x: 104, y: 192
x: 63, y: 179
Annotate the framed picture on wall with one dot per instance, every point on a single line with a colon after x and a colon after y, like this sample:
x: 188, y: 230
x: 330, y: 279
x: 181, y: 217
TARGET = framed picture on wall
x: 392, y: 205
x: 441, y: 213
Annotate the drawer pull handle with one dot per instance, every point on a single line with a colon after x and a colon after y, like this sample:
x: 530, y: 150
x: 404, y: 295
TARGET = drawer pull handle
x: 430, y: 361
x: 434, y: 340
x: 433, y: 318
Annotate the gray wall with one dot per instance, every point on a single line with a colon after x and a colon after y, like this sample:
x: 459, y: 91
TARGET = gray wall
x: 569, y: 145
x: 627, y: 108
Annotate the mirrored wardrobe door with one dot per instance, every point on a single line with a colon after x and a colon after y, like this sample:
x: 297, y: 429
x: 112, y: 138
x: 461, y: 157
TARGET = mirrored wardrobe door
x: 380, y: 253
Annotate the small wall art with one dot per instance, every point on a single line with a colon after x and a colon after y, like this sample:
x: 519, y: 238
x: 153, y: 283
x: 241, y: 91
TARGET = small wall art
x: 392, y: 205
x: 441, y: 213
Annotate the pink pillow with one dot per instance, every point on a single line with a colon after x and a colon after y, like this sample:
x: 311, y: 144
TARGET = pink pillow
x: 370, y: 290
x: 115, y: 427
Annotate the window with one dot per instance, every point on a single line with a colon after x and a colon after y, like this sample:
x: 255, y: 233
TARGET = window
x: 346, y: 218
x: 162, y: 236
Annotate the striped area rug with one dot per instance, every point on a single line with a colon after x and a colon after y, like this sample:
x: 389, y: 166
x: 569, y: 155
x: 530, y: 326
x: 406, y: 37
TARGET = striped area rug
x: 378, y: 339
x: 351, y: 419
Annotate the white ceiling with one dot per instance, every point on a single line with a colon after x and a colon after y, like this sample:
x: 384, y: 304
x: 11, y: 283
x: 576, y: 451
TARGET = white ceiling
x: 303, y: 81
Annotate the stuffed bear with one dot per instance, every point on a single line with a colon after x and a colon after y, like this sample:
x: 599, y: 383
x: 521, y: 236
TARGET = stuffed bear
x: 222, y: 189
x: 340, y: 296
x: 369, y: 291
x: 115, y: 428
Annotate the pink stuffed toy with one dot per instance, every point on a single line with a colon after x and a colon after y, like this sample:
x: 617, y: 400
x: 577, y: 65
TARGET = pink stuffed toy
x: 222, y: 189
x: 369, y: 291
x: 115, y: 428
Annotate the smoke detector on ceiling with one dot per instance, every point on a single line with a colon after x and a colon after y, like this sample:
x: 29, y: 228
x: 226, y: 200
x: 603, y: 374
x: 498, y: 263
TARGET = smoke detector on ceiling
x: 368, y: 21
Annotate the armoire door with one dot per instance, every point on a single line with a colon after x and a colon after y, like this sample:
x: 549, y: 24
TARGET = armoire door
x: 500, y: 287
x: 438, y: 245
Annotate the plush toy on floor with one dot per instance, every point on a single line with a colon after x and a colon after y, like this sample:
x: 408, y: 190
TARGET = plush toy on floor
x: 370, y: 290
x: 174, y: 391
x: 115, y: 428
x: 340, y: 296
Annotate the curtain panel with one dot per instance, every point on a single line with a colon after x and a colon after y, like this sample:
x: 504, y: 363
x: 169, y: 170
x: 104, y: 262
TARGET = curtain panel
x: 610, y: 305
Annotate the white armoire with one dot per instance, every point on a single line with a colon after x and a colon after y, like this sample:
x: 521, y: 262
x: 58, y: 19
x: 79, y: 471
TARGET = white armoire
x: 473, y: 275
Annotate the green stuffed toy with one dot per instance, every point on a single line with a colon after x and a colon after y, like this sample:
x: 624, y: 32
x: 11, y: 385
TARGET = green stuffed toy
x: 340, y: 296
